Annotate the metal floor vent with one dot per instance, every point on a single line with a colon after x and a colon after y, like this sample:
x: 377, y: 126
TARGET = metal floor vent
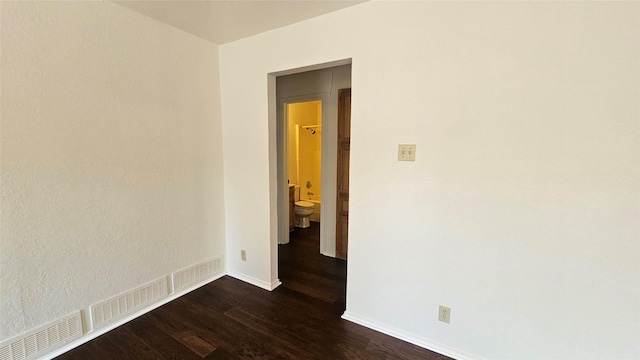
x: 42, y: 340
x: 116, y: 308
x: 195, y: 274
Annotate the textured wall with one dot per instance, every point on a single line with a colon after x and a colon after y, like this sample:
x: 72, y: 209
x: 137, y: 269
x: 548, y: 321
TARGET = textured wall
x: 111, y: 164
x: 521, y: 209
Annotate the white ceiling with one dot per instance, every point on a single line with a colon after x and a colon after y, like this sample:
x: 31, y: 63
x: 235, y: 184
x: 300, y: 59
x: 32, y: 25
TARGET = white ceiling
x: 228, y: 20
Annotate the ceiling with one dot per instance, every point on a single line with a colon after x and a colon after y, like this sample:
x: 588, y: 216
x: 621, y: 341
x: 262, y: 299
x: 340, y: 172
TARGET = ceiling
x: 228, y: 20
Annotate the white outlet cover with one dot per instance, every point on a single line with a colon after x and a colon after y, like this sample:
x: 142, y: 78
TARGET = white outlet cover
x: 407, y: 152
x: 444, y: 314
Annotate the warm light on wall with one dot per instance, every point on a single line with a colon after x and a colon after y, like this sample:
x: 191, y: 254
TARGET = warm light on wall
x: 305, y: 147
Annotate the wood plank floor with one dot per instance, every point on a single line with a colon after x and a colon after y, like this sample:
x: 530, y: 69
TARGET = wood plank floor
x: 229, y: 319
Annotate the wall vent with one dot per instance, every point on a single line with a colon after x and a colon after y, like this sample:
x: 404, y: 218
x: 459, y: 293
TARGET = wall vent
x: 116, y: 308
x: 195, y: 274
x: 44, y: 339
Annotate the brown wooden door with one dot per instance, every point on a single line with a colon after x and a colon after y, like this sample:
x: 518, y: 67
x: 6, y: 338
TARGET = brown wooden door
x: 344, y: 143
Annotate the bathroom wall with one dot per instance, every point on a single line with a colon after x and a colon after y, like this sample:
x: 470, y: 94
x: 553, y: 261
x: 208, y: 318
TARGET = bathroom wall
x: 521, y: 209
x: 111, y: 166
x: 308, y: 147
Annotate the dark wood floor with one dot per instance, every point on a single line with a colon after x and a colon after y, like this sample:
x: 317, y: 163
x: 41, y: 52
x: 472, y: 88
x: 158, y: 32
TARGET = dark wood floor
x: 229, y: 319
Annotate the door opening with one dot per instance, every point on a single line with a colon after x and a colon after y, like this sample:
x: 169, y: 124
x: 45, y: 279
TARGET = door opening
x: 300, y: 87
x: 304, y: 124
x: 288, y: 89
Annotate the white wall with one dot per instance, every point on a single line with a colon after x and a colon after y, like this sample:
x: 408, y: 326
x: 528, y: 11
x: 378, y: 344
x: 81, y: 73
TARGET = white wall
x: 111, y: 158
x: 521, y: 209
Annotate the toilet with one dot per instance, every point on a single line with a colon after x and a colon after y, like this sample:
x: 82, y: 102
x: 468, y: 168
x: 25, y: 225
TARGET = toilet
x: 302, y: 209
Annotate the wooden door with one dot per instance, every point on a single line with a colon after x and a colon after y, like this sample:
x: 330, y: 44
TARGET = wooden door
x: 344, y: 143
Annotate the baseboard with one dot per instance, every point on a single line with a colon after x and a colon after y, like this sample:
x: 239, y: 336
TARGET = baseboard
x: 253, y: 281
x: 196, y: 273
x: 329, y: 254
x: 94, y: 334
x: 44, y: 339
x: 121, y: 306
x: 416, y: 340
x: 54, y: 339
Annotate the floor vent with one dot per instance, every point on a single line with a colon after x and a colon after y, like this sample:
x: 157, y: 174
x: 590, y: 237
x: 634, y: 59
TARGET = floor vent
x: 116, y: 308
x: 36, y: 343
x: 195, y: 274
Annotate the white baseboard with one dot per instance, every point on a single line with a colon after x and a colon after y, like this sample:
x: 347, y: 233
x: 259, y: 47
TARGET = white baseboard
x: 416, y: 340
x: 129, y: 302
x: 85, y: 325
x: 44, y: 339
x: 253, y: 281
x: 130, y: 305
x: 94, y: 334
x: 329, y: 254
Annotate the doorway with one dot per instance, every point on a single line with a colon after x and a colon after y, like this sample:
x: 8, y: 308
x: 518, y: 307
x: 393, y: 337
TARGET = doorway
x: 300, y: 169
x: 299, y: 86
x: 304, y: 120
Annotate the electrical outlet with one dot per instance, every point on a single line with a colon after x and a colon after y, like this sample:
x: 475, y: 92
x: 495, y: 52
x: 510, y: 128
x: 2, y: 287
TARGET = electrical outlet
x: 243, y: 255
x: 407, y: 152
x: 444, y: 314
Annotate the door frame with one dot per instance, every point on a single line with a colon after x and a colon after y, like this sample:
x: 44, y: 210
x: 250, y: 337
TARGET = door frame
x: 341, y: 238
x: 278, y: 211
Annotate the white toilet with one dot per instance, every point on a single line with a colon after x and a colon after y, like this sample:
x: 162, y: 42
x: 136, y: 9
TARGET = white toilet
x: 302, y: 209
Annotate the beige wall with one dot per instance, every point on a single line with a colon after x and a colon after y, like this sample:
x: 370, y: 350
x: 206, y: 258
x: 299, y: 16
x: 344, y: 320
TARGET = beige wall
x: 111, y: 162
x: 521, y: 209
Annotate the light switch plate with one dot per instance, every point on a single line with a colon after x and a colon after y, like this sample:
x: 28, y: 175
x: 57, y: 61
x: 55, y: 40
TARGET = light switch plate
x: 407, y: 152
